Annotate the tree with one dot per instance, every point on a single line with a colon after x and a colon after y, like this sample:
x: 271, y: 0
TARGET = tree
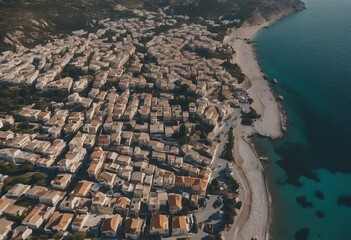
x: 234, y: 183
x: 247, y: 118
x: 13, y: 169
x: 182, y: 134
x: 7, y: 168
x: 228, y: 218
x: 24, y: 125
x: 57, y: 236
x: 77, y: 236
x: 228, y: 147
x: 195, y: 228
x: 41, y: 237
x: 26, y: 168
x: 38, y: 178
x: 238, y: 204
x: 214, y: 186
x: 234, y: 70
x: 218, y: 236
x: 228, y: 210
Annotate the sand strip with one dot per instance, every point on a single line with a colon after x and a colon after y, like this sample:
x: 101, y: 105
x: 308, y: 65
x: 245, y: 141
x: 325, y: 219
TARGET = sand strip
x: 254, y: 218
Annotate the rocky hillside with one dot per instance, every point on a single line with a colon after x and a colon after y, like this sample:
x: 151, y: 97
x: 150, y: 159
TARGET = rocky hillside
x: 32, y: 21
x: 274, y: 9
x: 29, y: 22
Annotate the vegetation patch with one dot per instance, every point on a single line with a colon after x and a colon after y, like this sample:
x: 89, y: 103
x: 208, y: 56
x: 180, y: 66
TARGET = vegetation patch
x: 32, y: 178
x: 13, y: 169
x: 23, y: 127
x: 204, y: 53
x: 247, y: 118
x: 234, y: 70
x: 214, y: 234
x: 229, y: 205
x: 213, y: 188
x: 228, y: 147
x: 181, y: 135
x: 234, y: 185
x: 209, y: 9
x: 77, y: 236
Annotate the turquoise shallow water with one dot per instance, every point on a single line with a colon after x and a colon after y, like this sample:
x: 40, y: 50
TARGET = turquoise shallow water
x: 310, y: 55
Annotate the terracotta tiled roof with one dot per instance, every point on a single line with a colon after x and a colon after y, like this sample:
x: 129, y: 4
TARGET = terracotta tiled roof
x: 205, y: 174
x: 122, y: 202
x: 159, y: 221
x: 60, y: 220
x: 189, y: 180
x: 82, y: 187
x: 93, y: 166
x: 131, y: 225
x: 201, y: 183
x: 175, y: 201
x: 179, y: 180
x: 179, y: 222
x: 97, y: 154
x: 111, y: 224
x: 168, y: 174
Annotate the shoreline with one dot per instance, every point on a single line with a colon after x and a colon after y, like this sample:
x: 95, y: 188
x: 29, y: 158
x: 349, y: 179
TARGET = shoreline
x: 255, y: 217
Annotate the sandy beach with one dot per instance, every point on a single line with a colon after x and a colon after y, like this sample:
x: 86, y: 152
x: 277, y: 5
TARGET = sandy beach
x: 253, y: 220
x: 264, y: 101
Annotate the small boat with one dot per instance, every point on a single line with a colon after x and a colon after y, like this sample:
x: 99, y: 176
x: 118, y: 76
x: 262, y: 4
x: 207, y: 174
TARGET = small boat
x: 281, y: 98
x: 275, y: 81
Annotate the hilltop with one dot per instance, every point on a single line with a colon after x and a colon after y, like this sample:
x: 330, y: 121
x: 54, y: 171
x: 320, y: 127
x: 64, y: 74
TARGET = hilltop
x: 24, y: 22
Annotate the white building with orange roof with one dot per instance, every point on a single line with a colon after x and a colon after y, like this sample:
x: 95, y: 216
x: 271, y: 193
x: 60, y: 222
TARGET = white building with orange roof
x: 37, y: 216
x: 134, y: 228
x: 111, y: 225
x: 205, y: 174
x: 174, y: 203
x: 122, y: 204
x: 62, y: 181
x: 5, y: 227
x: 82, y: 188
x: 200, y: 186
x: 94, y: 168
x: 159, y: 225
x: 98, y: 155
x: 59, y: 221
x: 180, y: 226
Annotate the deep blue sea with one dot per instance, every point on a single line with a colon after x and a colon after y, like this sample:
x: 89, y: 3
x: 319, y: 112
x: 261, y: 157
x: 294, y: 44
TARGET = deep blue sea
x: 309, y: 53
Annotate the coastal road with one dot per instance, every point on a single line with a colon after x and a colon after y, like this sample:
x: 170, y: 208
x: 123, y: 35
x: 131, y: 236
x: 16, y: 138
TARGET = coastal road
x: 210, y: 214
x: 232, y: 120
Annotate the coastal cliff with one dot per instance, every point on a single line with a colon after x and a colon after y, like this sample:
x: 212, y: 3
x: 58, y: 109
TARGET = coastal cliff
x: 275, y: 9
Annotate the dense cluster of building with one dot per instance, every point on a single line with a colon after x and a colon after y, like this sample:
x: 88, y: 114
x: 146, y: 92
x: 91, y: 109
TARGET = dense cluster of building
x: 119, y: 165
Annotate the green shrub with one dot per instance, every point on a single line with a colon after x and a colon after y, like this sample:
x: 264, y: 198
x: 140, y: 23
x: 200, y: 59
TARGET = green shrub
x: 234, y: 70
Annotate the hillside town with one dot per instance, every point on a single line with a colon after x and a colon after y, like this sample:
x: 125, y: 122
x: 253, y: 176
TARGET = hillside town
x: 129, y: 140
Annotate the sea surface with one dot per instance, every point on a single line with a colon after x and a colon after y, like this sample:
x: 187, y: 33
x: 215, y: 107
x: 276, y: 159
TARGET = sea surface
x: 309, y: 53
